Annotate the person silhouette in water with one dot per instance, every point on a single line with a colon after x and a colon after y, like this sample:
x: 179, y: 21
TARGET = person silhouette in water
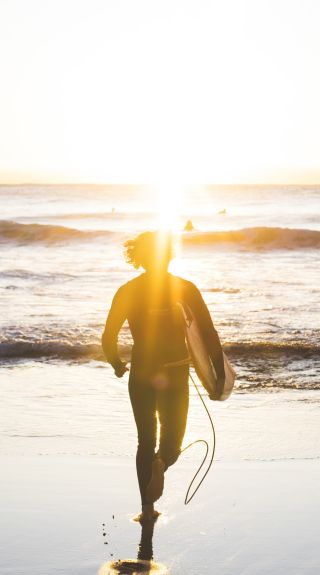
x: 159, y: 373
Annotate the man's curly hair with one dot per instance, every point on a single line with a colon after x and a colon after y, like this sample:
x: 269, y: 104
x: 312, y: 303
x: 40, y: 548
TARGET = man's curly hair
x: 149, y: 249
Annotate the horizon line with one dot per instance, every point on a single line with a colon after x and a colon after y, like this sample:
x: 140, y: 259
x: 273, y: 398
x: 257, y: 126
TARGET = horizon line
x: 132, y: 185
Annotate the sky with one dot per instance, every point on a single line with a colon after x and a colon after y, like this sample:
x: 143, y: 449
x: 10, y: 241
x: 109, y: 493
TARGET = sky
x: 145, y: 91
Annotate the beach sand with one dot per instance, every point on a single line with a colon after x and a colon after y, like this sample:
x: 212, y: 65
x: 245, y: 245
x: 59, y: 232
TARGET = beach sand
x: 68, y: 476
x: 249, y: 518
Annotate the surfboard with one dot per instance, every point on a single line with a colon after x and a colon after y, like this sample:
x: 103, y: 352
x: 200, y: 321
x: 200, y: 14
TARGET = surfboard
x: 202, y: 361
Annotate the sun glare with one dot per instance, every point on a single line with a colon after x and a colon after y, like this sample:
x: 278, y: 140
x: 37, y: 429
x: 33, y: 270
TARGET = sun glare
x: 169, y: 196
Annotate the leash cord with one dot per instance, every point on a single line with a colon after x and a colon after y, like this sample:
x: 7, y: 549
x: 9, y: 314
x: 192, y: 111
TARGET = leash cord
x: 188, y: 497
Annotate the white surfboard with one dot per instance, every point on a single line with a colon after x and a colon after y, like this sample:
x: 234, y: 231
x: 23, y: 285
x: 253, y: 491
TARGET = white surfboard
x: 202, y: 361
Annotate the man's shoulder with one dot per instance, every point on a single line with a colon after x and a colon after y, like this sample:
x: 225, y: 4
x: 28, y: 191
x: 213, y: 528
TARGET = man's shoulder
x: 130, y: 285
x: 184, y: 284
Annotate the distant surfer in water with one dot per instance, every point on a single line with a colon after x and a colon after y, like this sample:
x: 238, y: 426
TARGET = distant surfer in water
x: 159, y: 373
x: 189, y: 227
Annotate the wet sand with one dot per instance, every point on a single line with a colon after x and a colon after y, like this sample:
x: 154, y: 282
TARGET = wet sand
x: 73, y: 515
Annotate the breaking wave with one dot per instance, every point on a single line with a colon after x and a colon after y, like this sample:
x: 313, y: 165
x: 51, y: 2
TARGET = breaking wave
x: 21, y: 349
x: 33, y: 233
x: 61, y: 342
x: 290, y: 349
x: 256, y: 238
x: 259, y: 365
x: 73, y: 347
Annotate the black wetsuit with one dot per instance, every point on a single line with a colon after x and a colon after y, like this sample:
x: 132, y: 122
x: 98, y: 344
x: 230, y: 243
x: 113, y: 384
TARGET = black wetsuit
x: 149, y: 304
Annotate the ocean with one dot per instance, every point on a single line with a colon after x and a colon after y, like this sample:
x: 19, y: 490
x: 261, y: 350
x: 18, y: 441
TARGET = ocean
x: 254, y: 254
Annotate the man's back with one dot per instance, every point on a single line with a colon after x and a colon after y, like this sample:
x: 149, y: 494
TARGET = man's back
x: 148, y: 302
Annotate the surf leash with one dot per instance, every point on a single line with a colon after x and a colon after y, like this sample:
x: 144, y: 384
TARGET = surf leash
x: 188, y: 497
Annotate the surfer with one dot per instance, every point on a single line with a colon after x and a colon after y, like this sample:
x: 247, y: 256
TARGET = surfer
x: 158, y: 379
x: 189, y: 227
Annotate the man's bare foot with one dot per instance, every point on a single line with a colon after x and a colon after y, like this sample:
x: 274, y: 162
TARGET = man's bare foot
x: 155, y: 487
x: 148, y: 513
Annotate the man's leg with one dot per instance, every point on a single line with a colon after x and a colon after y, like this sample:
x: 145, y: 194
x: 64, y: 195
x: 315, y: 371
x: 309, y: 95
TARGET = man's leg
x: 172, y: 406
x: 143, y: 401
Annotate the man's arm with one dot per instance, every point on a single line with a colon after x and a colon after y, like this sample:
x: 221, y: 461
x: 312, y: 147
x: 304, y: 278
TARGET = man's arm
x: 116, y: 317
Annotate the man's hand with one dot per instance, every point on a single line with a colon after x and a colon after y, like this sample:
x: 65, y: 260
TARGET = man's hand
x: 121, y: 369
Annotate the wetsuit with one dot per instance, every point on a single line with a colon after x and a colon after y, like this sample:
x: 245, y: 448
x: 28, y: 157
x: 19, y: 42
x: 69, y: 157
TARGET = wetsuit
x: 148, y: 303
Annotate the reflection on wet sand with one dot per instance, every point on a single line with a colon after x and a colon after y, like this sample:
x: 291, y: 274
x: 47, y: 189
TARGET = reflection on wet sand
x: 133, y: 567
x: 144, y: 562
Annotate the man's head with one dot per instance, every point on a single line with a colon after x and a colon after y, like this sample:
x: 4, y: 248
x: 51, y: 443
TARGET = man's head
x: 151, y: 250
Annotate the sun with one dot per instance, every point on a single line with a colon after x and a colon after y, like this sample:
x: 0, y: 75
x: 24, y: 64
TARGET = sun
x: 169, y: 204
